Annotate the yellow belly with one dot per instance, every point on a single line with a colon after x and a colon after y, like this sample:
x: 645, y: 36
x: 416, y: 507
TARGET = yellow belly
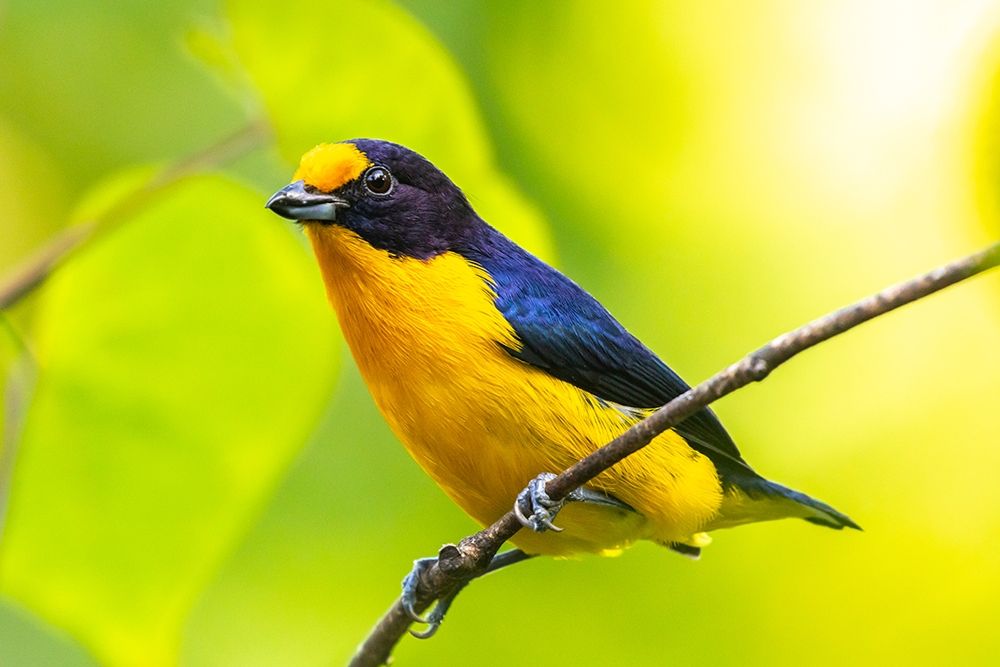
x: 427, y: 336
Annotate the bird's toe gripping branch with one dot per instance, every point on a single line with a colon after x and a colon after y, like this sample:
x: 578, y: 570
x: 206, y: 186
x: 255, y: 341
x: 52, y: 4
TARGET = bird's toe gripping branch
x: 535, y: 509
x: 411, y: 583
x: 433, y: 620
x: 409, y: 599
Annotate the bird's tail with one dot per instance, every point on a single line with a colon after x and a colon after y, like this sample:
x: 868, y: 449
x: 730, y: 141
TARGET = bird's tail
x: 757, y: 499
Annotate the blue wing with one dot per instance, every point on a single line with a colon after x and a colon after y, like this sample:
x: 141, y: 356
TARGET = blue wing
x: 570, y: 335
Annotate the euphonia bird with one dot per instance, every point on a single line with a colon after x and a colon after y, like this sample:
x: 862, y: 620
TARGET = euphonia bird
x: 493, y: 367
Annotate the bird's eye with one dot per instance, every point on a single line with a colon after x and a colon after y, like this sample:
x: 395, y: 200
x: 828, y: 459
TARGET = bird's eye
x: 378, y: 180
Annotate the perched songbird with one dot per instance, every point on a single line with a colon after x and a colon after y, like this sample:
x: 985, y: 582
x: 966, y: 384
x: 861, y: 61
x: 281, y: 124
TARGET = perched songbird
x: 492, y: 367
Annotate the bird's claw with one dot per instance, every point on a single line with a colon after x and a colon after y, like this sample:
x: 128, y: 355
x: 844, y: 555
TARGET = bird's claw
x: 411, y: 582
x: 535, y: 509
x: 408, y: 598
x: 434, y: 618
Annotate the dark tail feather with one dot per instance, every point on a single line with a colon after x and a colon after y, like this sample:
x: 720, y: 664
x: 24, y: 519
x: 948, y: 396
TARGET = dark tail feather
x: 796, y: 504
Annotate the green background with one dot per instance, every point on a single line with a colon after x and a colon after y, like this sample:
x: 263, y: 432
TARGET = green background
x: 200, y: 477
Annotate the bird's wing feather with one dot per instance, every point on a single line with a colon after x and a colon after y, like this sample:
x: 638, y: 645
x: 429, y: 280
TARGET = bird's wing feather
x: 570, y: 335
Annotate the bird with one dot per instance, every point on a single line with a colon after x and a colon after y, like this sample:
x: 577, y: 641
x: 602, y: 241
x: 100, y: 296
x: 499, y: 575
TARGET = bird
x: 495, y: 369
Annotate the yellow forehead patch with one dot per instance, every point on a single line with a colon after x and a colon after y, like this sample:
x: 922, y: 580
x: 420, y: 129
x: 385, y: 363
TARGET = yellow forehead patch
x: 329, y: 166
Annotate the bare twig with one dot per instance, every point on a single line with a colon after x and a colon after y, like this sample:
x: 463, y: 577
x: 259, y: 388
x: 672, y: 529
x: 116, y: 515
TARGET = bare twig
x: 469, y: 558
x: 43, y: 263
x: 19, y: 387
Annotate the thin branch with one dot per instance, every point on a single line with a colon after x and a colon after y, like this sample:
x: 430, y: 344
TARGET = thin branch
x: 20, y: 384
x: 457, y: 564
x: 33, y: 271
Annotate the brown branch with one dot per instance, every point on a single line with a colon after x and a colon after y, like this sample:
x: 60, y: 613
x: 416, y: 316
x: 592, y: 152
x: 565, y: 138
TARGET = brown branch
x: 458, y: 564
x: 20, y: 383
x: 37, y: 268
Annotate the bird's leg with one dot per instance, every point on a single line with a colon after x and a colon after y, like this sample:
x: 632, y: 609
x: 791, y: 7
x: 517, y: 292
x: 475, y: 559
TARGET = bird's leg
x: 535, y: 510
x: 533, y: 507
x: 410, y: 584
x: 433, y: 620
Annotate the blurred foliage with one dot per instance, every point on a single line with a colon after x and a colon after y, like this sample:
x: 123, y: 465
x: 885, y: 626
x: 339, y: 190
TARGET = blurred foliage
x: 201, y: 481
x: 29, y: 641
x: 358, y: 93
x: 985, y: 150
x: 169, y: 407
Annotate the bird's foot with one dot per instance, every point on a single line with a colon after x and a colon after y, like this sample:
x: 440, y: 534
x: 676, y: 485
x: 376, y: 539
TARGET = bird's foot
x: 433, y: 620
x: 408, y: 598
x: 535, y: 509
x: 411, y: 582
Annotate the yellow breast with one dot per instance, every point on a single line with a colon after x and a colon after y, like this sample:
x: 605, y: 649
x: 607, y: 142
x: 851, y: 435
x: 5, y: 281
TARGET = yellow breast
x: 427, y: 338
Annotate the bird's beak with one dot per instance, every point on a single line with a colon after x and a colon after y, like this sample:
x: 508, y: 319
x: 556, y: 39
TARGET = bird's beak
x: 296, y: 203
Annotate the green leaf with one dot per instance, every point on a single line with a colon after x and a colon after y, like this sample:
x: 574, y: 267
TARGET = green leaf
x: 371, y: 70
x: 185, y: 360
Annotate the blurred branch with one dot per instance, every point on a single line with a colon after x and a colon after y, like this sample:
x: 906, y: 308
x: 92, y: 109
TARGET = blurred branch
x: 458, y: 564
x: 18, y: 387
x: 43, y: 263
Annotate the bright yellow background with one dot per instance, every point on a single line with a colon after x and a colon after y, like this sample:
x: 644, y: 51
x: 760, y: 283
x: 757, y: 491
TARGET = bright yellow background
x: 201, y: 478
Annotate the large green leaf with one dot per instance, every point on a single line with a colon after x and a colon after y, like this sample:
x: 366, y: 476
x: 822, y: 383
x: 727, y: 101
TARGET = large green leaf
x: 333, y: 71
x: 185, y: 359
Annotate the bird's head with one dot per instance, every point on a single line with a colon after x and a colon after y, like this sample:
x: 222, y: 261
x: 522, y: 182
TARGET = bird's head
x: 390, y: 196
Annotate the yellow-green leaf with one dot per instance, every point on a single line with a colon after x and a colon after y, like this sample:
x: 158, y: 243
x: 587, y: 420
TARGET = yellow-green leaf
x: 334, y: 71
x: 184, y: 360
